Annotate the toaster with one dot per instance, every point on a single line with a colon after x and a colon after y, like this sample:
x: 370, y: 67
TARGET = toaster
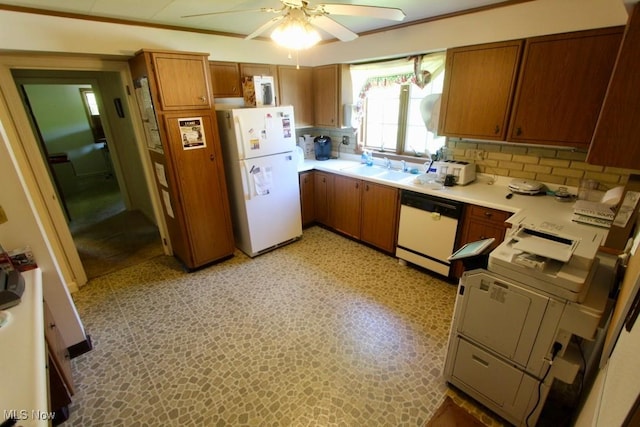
x: 463, y: 172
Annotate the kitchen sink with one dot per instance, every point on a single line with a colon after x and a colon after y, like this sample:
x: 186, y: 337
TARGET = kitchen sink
x: 365, y: 170
x: 391, y: 175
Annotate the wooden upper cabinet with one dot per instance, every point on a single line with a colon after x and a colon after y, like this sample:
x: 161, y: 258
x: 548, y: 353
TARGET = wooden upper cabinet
x: 295, y: 87
x: 326, y: 87
x: 478, y: 90
x: 561, y: 87
x: 615, y: 141
x: 225, y: 79
x: 183, y: 80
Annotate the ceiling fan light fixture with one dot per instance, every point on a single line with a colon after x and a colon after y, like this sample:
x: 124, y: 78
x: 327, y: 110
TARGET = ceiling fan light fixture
x: 295, y: 32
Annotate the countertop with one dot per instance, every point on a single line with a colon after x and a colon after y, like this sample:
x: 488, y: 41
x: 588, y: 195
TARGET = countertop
x: 23, y: 365
x: 486, y: 190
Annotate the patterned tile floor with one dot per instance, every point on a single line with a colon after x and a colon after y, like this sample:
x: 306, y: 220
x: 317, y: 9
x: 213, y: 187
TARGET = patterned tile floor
x: 322, y: 332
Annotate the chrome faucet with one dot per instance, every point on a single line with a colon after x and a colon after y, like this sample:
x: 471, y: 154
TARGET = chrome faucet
x: 387, y: 163
x: 404, y: 165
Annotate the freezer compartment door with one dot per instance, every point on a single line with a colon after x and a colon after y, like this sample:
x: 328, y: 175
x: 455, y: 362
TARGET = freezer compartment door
x: 264, y: 131
x: 272, y: 202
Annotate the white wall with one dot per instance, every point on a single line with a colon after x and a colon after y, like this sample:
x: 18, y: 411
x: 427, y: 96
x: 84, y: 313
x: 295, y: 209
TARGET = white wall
x: 23, y: 228
x: 21, y: 31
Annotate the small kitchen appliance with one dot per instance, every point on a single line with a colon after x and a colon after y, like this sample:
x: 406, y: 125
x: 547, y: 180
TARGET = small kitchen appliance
x: 322, y: 146
x: 525, y: 186
x: 463, y: 172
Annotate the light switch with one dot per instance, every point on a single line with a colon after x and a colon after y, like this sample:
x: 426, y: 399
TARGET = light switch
x: 3, y: 216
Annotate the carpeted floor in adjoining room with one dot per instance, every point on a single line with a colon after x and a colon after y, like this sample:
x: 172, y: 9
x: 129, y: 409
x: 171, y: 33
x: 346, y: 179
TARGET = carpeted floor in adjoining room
x: 322, y: 332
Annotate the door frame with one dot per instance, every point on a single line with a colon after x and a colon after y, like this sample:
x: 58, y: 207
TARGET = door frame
x: 27, y: 153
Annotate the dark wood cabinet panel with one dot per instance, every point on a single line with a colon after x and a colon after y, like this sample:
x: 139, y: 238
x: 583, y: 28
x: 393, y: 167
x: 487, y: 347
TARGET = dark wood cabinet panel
x: 478, y: 90
x: 295, y: 87
x: 346, y: 206
x: 307, y: 198
x: 480, y: 223
x: 225, y: 79
x: 182, y: 81
x: 561, y: 87
x: 379, y: 225
x: 193, y: 190
x: 323, y: 187
x: 617, y: 135
x: 326, y: 85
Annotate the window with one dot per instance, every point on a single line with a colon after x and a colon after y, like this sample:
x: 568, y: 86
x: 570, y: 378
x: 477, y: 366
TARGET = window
x: 398, y: 106
x: 93, y: 114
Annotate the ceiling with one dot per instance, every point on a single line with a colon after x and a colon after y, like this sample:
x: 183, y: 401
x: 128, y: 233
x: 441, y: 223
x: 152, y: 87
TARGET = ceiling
x: 171, y: 12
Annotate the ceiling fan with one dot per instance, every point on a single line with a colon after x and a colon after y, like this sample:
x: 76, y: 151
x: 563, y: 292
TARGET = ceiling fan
x: 302, y: 16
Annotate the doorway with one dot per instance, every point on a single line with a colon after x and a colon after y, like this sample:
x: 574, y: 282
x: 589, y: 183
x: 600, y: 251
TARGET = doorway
x: 108, y: 212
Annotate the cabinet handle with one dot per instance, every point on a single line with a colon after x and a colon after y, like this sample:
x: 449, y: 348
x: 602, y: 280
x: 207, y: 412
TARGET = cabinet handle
x: 211, y: 157
x: 488, y: 214
x: 357, y: 185
x: 203, y: 99
x: 518, y: 131
x: 496, y: 130
x: 366, y: 187
x: 52, y: 325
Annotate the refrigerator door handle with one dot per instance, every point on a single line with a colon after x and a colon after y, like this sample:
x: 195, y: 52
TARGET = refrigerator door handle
x: 246, y: 180
x: 241, y: 141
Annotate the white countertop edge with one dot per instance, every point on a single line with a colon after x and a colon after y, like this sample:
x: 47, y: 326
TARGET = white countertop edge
x: 488, y: 191
x: 23, y: 361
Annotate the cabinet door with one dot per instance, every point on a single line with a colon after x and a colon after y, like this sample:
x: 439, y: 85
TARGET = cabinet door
x: 58, y: 353
x: 295, y: 88
x: 307, y: 202
x: 478, y: 90
x: 326, y: 84
x: 615, y: 142
x: 248, y: 70
x: 183, y: 81
x: 561, y: 87
x: 225, y: 79
x: 480, y: 223
x: 379, y: 216
x: 202, y: 192
x: 346, y: 208
x: 322, y: 187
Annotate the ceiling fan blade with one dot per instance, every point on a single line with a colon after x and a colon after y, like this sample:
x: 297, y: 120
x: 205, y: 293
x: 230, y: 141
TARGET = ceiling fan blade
x: 390, y: 13
x: 264, y: 27
x: 224, y: 12
x: 332, y: 27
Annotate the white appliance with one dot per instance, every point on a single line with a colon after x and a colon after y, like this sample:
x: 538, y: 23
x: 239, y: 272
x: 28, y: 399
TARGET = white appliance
x: 513, y: 323
x: 262, y: 176
x: 463, y: 172
x: 427, y: 230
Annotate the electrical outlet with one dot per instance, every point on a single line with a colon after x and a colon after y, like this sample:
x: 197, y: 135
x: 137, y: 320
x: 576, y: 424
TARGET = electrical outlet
x: 479, y: 154
x: 345, y: 140
x: 3, y: 216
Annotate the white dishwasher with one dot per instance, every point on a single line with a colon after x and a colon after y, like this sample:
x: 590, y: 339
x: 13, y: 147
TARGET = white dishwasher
x: 427, y: 230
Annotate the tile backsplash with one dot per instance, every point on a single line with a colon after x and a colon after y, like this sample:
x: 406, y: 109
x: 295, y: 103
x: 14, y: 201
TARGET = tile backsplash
x: 547, y: 164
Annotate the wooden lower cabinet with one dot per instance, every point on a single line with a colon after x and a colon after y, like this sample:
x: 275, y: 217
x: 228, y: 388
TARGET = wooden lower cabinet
x: 322, y: 189
x: 379, y: 224
x: 480, y: 223
x: 307, y: 198
x: 357, y: 208
x: 347, y: 204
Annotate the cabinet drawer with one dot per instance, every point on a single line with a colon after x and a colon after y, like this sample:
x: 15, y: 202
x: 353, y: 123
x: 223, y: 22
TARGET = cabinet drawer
x: 485, y: 373
x: 487, y: 214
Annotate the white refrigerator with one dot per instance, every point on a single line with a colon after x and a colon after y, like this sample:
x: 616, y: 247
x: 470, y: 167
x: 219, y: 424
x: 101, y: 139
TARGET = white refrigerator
x: 260, y: 162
